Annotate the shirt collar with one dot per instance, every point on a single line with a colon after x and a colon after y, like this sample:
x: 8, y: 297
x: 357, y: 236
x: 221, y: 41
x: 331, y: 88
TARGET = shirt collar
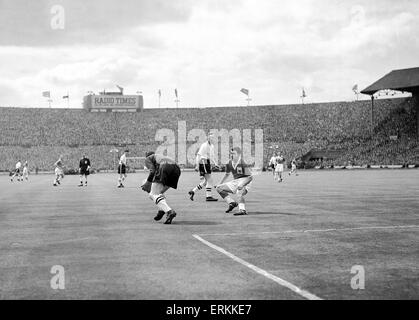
x: 237, y: 163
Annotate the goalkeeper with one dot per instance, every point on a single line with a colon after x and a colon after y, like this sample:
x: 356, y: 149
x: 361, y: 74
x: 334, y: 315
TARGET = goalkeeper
x: 84, y: 169
x: 164, y: 174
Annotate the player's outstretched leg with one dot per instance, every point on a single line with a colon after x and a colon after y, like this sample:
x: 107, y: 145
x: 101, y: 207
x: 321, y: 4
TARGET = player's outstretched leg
x: 242, y: 207
x: 224, y: 191
x: 202, y: 184
x: 208, y: 178
x: 157, y: 196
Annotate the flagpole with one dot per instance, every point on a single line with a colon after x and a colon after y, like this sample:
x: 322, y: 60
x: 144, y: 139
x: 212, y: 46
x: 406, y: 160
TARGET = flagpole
x: 248, y: 100
x: 246, y: 92
x: 177, y: 99
x: 159, y: 93
x: 303, y: 95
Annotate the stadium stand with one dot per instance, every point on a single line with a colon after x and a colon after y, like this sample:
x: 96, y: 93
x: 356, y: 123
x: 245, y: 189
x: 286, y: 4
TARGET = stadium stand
x: 40, y: 135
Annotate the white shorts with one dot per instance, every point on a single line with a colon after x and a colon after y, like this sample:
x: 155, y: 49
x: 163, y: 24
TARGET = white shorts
x: 59, y: 172
x: 279, y: 167
x: 293, y: 167
x: 233, y: 185
x: 25, y: 171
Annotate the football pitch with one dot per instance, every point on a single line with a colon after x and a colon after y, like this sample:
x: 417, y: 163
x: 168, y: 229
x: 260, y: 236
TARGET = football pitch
x: 300, y: 240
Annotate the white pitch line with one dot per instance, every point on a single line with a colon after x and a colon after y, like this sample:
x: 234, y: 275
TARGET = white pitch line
x: 310, y: 230
x: 72, y: 240
x: 278, y: 280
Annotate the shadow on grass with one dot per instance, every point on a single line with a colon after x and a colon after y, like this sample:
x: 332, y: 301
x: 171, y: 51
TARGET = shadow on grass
x: 272, y: 213
x: 195, y: 223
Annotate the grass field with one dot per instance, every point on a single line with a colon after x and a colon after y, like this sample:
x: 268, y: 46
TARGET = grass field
x: 299, y: 241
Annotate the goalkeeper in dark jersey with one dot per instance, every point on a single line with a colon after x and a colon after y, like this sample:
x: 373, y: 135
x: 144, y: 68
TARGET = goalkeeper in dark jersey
x: 240, y: 184
x: 164, y: 174
x: 84, y: 170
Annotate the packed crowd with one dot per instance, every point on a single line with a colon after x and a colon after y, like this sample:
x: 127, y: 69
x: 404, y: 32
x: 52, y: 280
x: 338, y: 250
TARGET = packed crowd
x: 41, y: 135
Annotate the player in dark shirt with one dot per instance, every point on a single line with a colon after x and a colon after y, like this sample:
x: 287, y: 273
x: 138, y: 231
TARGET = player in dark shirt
x: 84, y: 169
x: 242, y: 177
x: 164, y: 174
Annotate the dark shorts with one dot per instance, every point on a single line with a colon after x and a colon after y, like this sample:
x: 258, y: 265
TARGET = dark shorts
x: 204, y: 169
x: 122, y: 169
x: 17, y: 171
x: 84, y: 172
x: 168, y: 175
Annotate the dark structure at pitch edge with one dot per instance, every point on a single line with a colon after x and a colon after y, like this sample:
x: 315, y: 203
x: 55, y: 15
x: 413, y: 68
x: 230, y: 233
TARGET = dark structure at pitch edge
x: 405, y: 80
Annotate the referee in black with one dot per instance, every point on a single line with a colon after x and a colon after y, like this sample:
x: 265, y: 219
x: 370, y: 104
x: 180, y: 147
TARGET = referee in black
x: 84, y: 169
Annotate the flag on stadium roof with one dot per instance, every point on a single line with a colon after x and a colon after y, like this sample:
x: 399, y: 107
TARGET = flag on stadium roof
x: 159, y: 93
x: 46, y: 94
x: 355, y: 88
x: 245, y: 91
x: 303, y: 95
x: 176, y: 93
x: 66, y: 97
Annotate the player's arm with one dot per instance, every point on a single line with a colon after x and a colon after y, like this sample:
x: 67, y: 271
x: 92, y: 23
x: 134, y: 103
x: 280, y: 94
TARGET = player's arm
x: 161, y: 158
x: 225, y: 177
x: 150, y: 166
x: 212, y: 157
x: 198, y: 158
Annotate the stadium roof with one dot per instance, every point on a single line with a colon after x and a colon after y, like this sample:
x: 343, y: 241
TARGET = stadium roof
x: 399, y: 80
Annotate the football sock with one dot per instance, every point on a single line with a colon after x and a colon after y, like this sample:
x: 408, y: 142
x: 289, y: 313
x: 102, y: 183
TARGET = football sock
x: 199, y: 186
x: 160, y: 202
x: 208, y: 191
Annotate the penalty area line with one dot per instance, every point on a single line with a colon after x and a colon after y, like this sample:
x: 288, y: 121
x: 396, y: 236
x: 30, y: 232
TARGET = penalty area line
x: 260, y: 271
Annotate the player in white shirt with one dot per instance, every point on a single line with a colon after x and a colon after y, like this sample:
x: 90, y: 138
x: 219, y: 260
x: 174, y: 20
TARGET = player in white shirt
x: 204, y: 158
x: 17, y: 172
x: 59, y: 171
x: 279, y: 167
x: 272, y: 163
x: 122, y: 169
x: 25, y: 171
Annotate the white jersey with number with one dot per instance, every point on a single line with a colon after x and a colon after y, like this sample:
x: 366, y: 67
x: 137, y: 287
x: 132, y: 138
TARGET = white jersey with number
x: 206, y: 152
x: 123, y: 160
